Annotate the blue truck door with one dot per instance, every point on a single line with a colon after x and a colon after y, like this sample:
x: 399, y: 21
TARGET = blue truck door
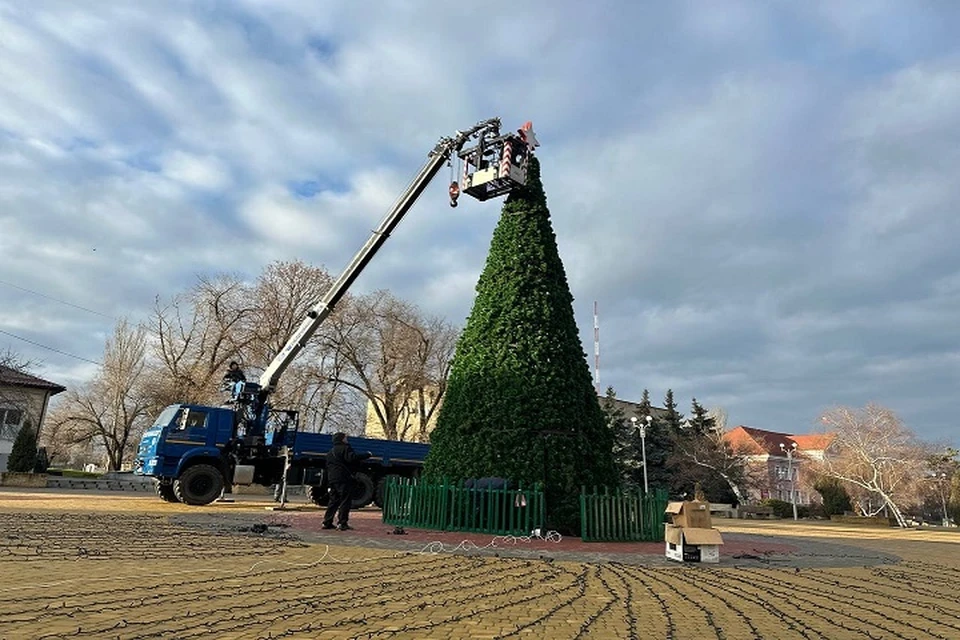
x: 190, y: 429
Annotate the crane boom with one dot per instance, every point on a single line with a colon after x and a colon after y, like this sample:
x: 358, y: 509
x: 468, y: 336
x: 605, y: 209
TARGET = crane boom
x: 444, y: 149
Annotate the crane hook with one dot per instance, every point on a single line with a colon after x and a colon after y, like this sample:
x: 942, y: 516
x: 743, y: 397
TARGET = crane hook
x: 454, y: 192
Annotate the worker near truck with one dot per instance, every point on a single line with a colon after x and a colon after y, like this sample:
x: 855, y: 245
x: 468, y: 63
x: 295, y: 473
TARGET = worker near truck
x: 341, y: 464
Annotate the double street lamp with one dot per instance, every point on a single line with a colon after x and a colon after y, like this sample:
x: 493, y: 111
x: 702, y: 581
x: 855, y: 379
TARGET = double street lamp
x: 790, y: 451
x: 642, y: 427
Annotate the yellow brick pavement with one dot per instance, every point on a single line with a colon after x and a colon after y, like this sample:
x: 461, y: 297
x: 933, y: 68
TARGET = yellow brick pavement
x: 128, y: 575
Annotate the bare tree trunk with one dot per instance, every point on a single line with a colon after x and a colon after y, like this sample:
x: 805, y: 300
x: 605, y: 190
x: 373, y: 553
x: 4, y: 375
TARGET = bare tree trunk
x: 871, y: 449
x: 114, y: 407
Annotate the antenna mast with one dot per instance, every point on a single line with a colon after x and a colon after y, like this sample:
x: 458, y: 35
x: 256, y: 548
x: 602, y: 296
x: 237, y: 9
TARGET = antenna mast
x: 596, y: 347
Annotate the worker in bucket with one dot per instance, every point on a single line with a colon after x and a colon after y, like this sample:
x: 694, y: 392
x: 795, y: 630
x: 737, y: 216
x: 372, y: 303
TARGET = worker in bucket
x: 233, y: 375
x: 341, y: 464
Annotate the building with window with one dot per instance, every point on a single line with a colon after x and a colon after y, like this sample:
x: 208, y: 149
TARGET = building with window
x: 780, y: 476
x: 23, y: 401
x: 416, y: 415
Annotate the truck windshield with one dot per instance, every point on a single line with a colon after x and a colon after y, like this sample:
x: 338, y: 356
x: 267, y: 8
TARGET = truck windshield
x: 166, y: 416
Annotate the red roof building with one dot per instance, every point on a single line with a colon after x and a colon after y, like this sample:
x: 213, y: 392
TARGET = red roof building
x: 778, y: 459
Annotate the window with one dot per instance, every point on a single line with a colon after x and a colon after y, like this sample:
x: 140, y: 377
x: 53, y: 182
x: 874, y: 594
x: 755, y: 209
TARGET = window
x: 194, y: 419
x: 10, y: 417
x: 10, y: 421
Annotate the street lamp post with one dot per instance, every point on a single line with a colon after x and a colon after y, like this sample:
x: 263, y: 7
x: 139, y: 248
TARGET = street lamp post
x: 642, y: 427
x: 790, y: 451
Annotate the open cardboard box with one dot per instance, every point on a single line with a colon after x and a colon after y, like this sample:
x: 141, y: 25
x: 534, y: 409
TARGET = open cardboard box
x: 690, y: 537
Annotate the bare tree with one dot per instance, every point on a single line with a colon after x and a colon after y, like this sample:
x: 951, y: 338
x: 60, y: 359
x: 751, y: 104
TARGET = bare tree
x: 61, y: 443
x: 434, y: 342
x: 397, y: 360
x: 718, y: 416
x: 283, y: 296
x: 195, y: 336
x: 873, y: 451
x: 710, y: 450
x: 13, y: 360
x: 942, y: 467
x: 113, y: 409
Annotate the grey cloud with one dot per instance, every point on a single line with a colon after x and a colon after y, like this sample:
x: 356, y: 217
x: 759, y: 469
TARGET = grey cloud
x: 759, y: 196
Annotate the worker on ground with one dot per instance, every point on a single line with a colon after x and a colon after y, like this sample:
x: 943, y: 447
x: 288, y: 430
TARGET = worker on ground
x: 341, y: 463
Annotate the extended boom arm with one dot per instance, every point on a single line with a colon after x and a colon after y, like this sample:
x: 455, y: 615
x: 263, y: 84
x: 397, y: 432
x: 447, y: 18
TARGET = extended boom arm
x: 445, y: 148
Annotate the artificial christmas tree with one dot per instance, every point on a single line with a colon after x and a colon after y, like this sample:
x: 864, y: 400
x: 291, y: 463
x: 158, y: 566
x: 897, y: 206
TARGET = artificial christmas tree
x: 520, y: 403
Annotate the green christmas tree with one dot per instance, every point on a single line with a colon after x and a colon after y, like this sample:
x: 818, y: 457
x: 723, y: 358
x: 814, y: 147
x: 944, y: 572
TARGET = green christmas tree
x: 23, y: 454
x: 520, y: 403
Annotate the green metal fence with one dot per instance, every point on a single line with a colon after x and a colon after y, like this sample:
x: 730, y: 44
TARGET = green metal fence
x: 622, y: 515
x: 451, y: 507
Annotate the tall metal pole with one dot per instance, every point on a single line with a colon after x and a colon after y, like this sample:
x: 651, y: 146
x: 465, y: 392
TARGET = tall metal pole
x: 643, y: 446
x: 793, y: 498
x: 642, y: 427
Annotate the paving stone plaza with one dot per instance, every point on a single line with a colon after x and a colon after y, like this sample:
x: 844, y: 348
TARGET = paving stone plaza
x: 109, y: 566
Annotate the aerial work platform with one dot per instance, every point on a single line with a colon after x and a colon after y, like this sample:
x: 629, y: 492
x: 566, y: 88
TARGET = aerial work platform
x: 496, y: 165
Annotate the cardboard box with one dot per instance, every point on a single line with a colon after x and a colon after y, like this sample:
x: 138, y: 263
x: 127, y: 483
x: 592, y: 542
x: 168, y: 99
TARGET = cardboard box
x: 692, y: 544
x: 689, y: 536
x: 690, y: 513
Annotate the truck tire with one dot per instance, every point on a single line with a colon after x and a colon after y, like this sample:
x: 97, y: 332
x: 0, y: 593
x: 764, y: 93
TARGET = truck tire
x: 318, y: 495
x: 378, y: 494
x: 198, y: 485
x: 363, y: 490
x: 378, y: 497
x: 165, y: 491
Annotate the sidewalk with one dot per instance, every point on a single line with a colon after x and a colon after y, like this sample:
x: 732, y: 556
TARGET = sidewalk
x: 739, y: 549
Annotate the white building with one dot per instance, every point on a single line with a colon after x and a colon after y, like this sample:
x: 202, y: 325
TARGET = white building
x: 23, y: 400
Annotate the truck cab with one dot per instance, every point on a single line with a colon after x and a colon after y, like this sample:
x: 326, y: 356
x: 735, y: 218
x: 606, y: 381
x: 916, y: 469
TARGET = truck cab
x: 185, y: 436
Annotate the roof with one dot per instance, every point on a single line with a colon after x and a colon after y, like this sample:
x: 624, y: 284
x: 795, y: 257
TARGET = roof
x: 814, y: 441
x: 759, y: 441
x: 632, y: 408
x: 14, y: 378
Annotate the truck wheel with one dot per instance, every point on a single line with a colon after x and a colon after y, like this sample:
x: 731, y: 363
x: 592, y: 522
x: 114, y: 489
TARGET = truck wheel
x: 378, y: 497
x: 165, y: 491
x: 363, y: 490
x: 199, y: 484
x: 318, y: 495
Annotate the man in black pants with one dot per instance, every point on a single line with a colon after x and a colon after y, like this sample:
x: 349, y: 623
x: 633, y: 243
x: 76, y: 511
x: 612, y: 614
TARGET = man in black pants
x: 341, y: 461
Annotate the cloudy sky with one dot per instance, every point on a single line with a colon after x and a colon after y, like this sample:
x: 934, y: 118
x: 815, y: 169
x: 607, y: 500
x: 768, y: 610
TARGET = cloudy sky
x: 759, y: 195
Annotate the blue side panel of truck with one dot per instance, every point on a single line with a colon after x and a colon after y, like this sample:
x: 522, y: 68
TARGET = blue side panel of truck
x: 386, y: 453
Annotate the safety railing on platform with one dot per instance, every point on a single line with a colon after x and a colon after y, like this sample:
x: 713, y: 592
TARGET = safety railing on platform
x: 449, y: 506
x: 622, y: 515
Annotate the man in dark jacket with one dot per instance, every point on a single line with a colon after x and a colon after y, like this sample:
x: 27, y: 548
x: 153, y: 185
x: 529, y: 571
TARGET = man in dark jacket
x: 341, y: 463
x: 233, y: 375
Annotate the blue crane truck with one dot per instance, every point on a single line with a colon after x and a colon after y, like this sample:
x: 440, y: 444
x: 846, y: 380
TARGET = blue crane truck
x: 195, y: 452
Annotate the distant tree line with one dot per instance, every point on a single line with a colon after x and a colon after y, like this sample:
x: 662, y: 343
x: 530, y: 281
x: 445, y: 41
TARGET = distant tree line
x: 680, y: 452
x: 374, y: 349
x: 873, y: 465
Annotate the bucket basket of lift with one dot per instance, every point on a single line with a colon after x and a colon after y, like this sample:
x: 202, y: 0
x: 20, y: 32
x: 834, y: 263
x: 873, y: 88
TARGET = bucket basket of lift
x: 496, y: 165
